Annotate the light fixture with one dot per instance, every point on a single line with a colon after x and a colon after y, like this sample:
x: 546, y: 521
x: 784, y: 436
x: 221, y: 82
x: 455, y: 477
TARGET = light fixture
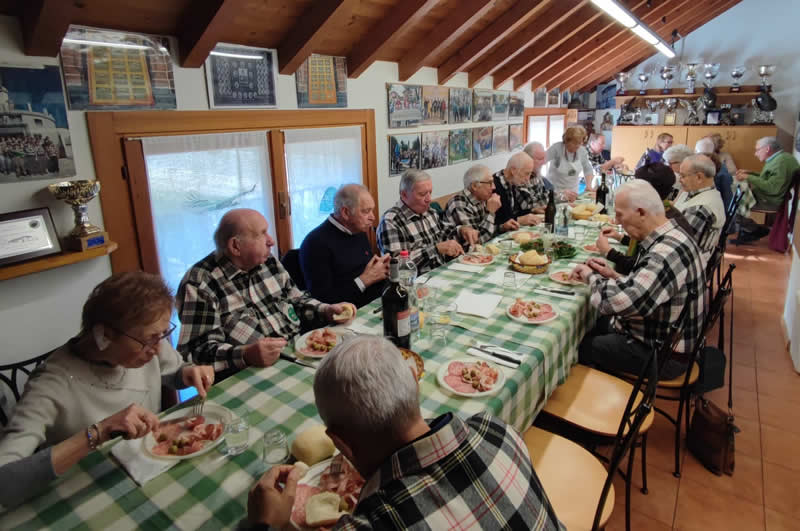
x: 666, y: 50
x: 113, y: 44
x: 619, y: 13
x: 645, y: 34
x: 237, y: 55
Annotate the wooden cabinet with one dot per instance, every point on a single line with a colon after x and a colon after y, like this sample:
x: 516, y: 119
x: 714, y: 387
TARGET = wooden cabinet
x: 630, y: 141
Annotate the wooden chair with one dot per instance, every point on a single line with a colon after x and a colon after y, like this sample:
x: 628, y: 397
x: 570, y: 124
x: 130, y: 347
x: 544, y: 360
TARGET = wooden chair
x: 576, y: 482
x: 291, y: 262
x: 10, y: 376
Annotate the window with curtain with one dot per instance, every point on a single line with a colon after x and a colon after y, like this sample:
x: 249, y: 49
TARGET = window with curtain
x: 537, y: 129
x: 318, y: 162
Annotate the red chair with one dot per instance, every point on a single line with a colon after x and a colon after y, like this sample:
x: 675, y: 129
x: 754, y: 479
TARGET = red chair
x: 784, y: 217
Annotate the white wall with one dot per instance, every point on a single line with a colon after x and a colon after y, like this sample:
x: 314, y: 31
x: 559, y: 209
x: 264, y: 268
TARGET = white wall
x: 735, y: 38
x: 41, y: 311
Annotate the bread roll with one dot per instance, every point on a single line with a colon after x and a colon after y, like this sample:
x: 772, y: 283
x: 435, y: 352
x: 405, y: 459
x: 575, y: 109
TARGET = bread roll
x: 303, y: 468
x: 323, y: 509
x: 313, y: 445
x: 346, y: 314
x: 493, y: 249
x: 532, y: 258
x: 522, y: 237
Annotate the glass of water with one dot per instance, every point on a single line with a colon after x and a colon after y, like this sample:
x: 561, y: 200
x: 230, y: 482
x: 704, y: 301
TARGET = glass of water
x: 276, y: 448
x: 509, y: 284
x: 440, y: 318
x: 237, y: 436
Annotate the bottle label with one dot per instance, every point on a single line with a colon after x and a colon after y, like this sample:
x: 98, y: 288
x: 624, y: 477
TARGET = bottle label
x: 414, y: 319
x: 403, y: 323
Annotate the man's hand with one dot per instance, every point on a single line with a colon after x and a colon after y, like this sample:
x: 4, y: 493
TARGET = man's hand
x: 599, y: 266
x: 470, y: 235
x: 602, y: 244
x: 610, y: 232
x: 742, y: 175
x: 511, y: 224
x: 493, y: 203
x: 268, y: 503
x: 377, y: 269
x: 570, y: 195
x: 450, y: 248
x: 201, y: 377
x: 539, y: 210
x: 335, y: 309
x: 263, y: 352
x: 528, y: 219
x: 581, y: 273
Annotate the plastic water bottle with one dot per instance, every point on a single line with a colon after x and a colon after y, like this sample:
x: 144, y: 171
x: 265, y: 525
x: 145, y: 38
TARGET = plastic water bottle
x: 408, y: 276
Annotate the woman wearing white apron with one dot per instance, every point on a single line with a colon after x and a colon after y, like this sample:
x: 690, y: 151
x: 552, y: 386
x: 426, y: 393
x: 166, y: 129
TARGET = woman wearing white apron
x: 568, y: 160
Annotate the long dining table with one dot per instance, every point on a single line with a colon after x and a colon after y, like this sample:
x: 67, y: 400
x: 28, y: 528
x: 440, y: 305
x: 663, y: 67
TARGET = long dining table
x: 210, y: 491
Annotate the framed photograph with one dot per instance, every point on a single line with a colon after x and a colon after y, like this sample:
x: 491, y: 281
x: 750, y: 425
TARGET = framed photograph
x: 500, y: 105
x: 34, y: 134
x: 607, y: 118
x: 481, y: 142
x: 669, y: 118
x: 403, y: 153
x: 565, y: 98
x: 435, y: 149
x: 434, y: 105
x: 241, y: 77
x: 460, y: 105
x: 514, y: 136
x: 482, y: 105
x: 500, y: 139
x: 553, y: 99
x: 27, y: 234
x: 405, y: 105
x: 516, y: 104
x: 650, y: 118
x: 460, y: 145
x: 712, y: 117
x: 540, y: 97
x: 321, y: 82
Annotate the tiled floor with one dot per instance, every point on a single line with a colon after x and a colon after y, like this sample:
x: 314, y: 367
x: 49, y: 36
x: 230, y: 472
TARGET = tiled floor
x: 764, y: 492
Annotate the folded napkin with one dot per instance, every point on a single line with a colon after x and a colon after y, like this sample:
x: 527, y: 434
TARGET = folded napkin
x: 497, y: 276
x: 473, y: 304
x: 437, y: 282
x: 478, y: 354
x: 360, y: 328
x: 551, y: 294
x: 466, y: 268
x: 139, y: 464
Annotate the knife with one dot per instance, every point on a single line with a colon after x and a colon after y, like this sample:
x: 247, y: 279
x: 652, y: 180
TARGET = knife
x: 498, y: 356
x: 176, y: 421
x: 554, y: 290
x: 293, y: 359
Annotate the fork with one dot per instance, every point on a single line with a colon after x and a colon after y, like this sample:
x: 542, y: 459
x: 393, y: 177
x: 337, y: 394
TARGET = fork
x: 197, y: 407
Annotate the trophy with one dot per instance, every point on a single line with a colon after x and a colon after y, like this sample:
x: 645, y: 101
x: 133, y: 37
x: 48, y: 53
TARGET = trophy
x: 670, y: 104
x: 77, y: 194
x: 764, y: 103
x: 667, y: 73
x: 709, y: 99
x: 691, y: 109
x: 765, y: 71
x: 653, y: 105
x: 737, y: 72
x: 644, y: 77
x: 622, y: 80
x: 691, y: 77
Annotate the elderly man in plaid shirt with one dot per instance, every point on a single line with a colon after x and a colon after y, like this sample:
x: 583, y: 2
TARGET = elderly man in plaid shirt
x: 639, y: 309
x: 444, y: 473
x: 538, y: 186
x: 238, y: 306
x: 476, y: 204
x: 511, y: 184
x: 412, y: 226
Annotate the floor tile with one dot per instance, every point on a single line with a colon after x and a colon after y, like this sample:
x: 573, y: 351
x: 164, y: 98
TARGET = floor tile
x: 748, y: 440
x: 746, y: 482
x: 745, y: 403
x: 639, y: 521
x: 703, y: 509
x: 780, y: 413
x: 782, y: 489
x: 781, y: 447
x: 659, y: 504
x: 743, y: 353
x: 785, y: 384
x: 744, y: 377
x: 775, y: 522
x: 773, y: 360
x: 661, y: 446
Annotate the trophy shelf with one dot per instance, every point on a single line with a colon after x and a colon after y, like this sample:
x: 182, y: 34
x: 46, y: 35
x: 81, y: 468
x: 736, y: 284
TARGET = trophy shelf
x: 57, y: 260
x: 724, y: 95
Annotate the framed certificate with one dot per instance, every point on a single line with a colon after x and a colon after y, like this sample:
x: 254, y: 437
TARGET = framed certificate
x: 27, y: 234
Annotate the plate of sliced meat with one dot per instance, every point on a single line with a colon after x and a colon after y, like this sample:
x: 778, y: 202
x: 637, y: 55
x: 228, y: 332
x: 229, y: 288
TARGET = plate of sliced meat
x: 591, y: 248
x: 329, y: 490
x: 190, y: 438
x: 531, y: 312
x: 470, y: 378
x: 317, y: 343
x: 476, y: 259
x: 562, y: 277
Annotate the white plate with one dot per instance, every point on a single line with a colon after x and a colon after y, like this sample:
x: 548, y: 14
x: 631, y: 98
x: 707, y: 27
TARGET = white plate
x: 213, y: 414
x: 589, y: 250
x: 461, y: 260
x: 564, y: 282
x: 300, y: 343
x: 501, y: 378
x: 525, y: 320
x: 312, y: 479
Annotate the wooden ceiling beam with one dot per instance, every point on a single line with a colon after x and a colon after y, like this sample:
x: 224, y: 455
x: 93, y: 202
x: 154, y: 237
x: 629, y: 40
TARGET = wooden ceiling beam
x: 367, y: 50
x: 503, y: 26
x: 603, y: 47
x: 305, y: 36
x: 44, y: 25
x: 201, y: 25
x: 453, y: 26
x: 555, y: 15
x: 686, y: 22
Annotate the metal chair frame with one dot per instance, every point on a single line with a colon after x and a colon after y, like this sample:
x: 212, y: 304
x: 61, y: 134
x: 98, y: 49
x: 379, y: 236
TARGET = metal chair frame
x: 12, y: 381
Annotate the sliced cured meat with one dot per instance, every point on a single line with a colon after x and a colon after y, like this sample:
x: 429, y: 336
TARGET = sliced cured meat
x: 479, y: 259
x: 455, y: 368
x: 185, y: 438
x: 320, y: 342
x: 301, y: 496
x: 458, y: 384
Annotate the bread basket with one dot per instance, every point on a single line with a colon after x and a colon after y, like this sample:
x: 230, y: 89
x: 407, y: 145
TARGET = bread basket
x: 529, y: 269
x: 586, y: 213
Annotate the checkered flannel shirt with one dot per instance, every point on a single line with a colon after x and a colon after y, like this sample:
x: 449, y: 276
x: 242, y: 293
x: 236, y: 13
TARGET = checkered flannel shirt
x: 473, y: 474
x: 537, y: 192
x: 648, y: 300
x: 465, y: 209
x: 402, y: 228
x: 223, y: 309
x: 701, y: 220
x: 517, y: 200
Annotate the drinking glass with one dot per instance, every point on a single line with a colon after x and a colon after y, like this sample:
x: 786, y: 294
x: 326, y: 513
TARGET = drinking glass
x: 507, y: 246
x: 276, y: 448
x: 237, y: 436
x: 440, y: 318
x: 509, y: 284
x: 580, y: 232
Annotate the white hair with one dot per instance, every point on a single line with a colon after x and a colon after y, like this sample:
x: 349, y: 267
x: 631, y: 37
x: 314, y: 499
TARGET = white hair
x: 364, y: 386
x: 411, y: 177
x: 770, y: 141
x: 348, y: 197
x: 518, y: 160
x: 704, y: 145
x: 676, y: 154
x: 641, y: 194
x: 531, y: 147
x: 475, y: 174
x: 700, y: 164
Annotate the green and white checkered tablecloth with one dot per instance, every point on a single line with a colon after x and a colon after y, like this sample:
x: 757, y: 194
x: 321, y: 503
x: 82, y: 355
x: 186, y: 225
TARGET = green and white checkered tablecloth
x: 210, y: 491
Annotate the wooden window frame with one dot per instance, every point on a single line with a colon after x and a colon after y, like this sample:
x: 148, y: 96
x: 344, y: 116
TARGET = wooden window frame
x: 542, y: 111
x: 125, y: 195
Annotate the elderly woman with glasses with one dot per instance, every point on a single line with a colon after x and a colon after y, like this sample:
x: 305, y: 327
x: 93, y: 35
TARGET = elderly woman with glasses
x: 103, y: 383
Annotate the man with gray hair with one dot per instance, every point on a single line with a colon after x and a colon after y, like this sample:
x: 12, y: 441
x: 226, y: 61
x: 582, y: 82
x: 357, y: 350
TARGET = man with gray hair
x: 700, y: 202
x: 476, y: 204
x: 769, y: 187
x: 511, y: 184
x: 420, y: 474
x: 537, y: 185
x: 674, y: 155
x: 238, y: 306
x: 411, y: 225
x: 639, y: 309
x: 336, y: 257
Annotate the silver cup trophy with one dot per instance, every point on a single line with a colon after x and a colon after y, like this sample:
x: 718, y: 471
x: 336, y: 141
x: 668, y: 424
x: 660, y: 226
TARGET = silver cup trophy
x: 77, y: 194
x: 737, y: 72
x: 709, y: 98
x: 764, y: 103
x: 643, y: 77
x: 622, y: 81
x: 667, y: 74
x: 691, y: 77
x: 765, y: 71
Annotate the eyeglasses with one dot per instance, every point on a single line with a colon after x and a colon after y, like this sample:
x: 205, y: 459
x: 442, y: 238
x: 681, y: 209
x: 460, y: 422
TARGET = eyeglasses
x: 151, y: 343
x: 486, y: 182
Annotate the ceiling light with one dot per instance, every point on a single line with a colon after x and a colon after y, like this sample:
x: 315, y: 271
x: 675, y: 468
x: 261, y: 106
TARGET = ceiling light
x: 237, y: 55
x: 645, y: 34
x: 113, y: 44
x: 666, y: 50
x: 620, y: 14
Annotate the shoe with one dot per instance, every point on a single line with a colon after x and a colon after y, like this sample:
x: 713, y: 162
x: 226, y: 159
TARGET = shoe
x: 760, y: 232
x: 744, y: 238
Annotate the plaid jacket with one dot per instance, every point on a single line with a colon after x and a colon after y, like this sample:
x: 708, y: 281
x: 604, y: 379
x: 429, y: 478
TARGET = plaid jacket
x: 705, y: 213
x: 516, y: 201
x: 464, y: 209
x: 473, y: 474
x: 537, y: 192
x: 402, y: 228
x: 223, y: 308
x: 647, y: 301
